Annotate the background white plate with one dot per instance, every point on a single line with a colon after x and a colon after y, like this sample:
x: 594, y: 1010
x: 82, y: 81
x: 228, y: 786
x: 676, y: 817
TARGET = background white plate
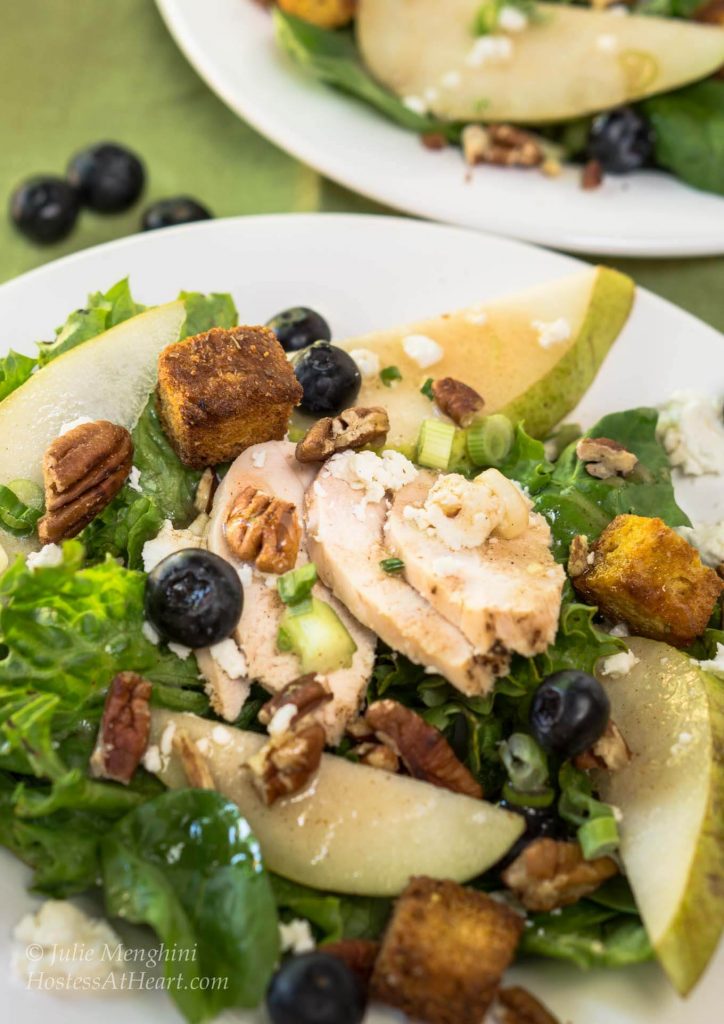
x: 365, y: 273
x: 230, y: 44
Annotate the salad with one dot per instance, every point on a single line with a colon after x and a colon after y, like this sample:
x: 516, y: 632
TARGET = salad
x: 614, y: 87
x: 352, y: 669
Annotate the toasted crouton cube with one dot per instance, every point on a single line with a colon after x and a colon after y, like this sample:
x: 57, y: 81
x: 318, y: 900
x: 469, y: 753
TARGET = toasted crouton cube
x: 224, y: 390
x: 644, y: 574
x: 444, y: 952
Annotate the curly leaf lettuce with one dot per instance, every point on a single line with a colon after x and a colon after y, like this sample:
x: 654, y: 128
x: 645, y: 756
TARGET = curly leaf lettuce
x: 15, y: 369
x: 186, y: 864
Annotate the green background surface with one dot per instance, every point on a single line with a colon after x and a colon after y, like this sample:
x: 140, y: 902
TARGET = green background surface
x: 73, y: 72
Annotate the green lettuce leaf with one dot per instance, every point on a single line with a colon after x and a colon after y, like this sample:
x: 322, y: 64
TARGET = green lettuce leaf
x: 332, y: 57
x: 15, y: 369
x: 103, y: 311
x: 333, y: 917
x: 206, y: 311
x: 587, y: 935
x: 186, y: 864
x: 689, y: 132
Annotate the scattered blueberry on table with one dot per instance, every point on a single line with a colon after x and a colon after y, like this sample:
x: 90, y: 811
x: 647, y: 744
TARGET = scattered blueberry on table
x: 167, y: 213
x: 108, y: 177
x: 44, y: 209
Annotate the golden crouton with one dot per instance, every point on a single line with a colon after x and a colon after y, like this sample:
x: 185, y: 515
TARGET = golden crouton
x: 222, y: 391
x: 444, y: 952
x: 324, y: 13
x: 644, y: 574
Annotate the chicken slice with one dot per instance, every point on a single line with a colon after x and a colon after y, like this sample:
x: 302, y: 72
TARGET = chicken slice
x: 503, y: 592
x: 273, y: 468
x: 345, y: 541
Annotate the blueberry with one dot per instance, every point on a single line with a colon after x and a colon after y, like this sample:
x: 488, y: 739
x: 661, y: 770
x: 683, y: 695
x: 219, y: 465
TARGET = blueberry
x: 570, y: 711
x: 330, y: 379
x: 108, y: 177
x: 315, y: 988
x: 44, y: 209
x: 622, y: 140
x: 298, y: 327
x: 194, y: 598
x: 166, y: 213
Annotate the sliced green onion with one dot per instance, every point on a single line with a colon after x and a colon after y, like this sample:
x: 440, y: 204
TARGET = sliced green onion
x: 524, y: 762
x: 295, y: 586
x: 315, y: 633
x: 392, y: 565
x: 15, y: 516
x: 29, y: 493
x: 599, y: 837
x: 490, y: 440
x: 541, y: 798
x: 435, y: 443
x: 389, y: 374
x: 426, y: 389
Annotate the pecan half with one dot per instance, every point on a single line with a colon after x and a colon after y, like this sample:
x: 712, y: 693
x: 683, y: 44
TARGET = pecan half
x: 578, y: 556
x: 711, y: 13
x: 424, y: 751
x: 358, y: 954
x: 286, y: 764
x: 611, y: 752
x: 550, y: 874
x: 195, y: 766
x: 352, y: 429
x: 501, y: 144
x: 83, y: 470
x: 125, y: 727
x: 605, y: 458
x: 306, y: 694
x: 591, y: 175
x: 457, y: 400
x: 516, y: 1005
x: 378, y: 755
x: 264, y: 530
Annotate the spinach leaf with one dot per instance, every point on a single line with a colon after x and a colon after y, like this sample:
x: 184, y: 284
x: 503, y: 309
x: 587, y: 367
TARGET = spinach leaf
x: 588, y: 936
x: 15, y: 369
x: 334, y: 917
x: 332, y: 57
x: 186, y: 864
x: 689, y: 130
x: 103, y: 311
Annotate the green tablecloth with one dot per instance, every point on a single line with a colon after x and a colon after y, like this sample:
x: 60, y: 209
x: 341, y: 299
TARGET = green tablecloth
x: 74, y: 72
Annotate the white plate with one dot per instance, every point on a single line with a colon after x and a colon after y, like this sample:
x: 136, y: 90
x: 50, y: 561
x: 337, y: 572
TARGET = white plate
x: 364, y: 273
x: 230, y: 44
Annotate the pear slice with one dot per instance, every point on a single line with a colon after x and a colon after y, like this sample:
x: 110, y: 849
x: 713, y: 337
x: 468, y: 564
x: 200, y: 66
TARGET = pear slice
x: 354, y: 829
x: 109, y: 377
x: 671, y: 796
x: 496, y: 349
x: 571, y: 62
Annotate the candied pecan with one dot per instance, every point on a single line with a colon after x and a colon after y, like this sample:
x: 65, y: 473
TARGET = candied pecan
x: 195, y: 766
x: 711, y: 13
x: 378, y: 755
x: 287, y: 763
x: 501, y: 144
x: 352, y: 429
x: 611, y: 752
x: 578, y: 556
x: 306, y: 694
x: 605, y: 458
x: 433, y: 140
x: 264, y: 530
x: 83, y: 470
x: 550, y: 873
x: 591, y: 175
x: 125, y: 727
x: 457, y: 400
x: 516, y: 1005
x: 424, y: 751
x: 358, y: 954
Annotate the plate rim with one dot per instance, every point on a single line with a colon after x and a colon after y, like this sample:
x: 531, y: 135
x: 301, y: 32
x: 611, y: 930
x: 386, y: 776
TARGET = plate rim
x: 294, y: 144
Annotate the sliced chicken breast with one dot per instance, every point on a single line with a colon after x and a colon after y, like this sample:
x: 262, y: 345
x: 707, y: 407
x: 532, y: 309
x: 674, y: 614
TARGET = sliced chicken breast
x: 502, y: 592
x: 273, y: 468
x: 345, y: 541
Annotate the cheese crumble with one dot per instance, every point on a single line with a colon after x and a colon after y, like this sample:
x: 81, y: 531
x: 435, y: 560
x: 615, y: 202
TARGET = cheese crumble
x: 619, y: 664
x: 368, y: 363
x: 229, y: 658
x: 553, y: 333
x: 373, y: 474
x: 691, y: 430
x: 422, y: 350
